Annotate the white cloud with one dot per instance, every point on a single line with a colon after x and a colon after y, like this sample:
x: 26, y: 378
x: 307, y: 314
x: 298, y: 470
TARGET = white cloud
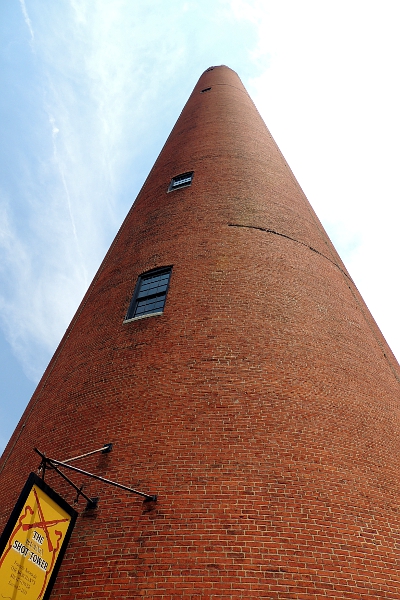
x: 99, y: 67
x: 322, y: 79
x: 27, y: 20
x: 21, y: 320
x: 330, y: 99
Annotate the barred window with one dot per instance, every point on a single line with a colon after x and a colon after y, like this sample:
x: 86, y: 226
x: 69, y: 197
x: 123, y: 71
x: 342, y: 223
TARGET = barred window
x: 182, y: 180
x: 150, y: 294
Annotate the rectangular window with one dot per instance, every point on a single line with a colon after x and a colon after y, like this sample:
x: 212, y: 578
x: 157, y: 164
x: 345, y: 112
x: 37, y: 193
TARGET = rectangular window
x: 150, y: 294
x: 182, y: 180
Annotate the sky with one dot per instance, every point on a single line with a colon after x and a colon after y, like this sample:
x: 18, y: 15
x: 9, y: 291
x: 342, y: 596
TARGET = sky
x: 90, y: 92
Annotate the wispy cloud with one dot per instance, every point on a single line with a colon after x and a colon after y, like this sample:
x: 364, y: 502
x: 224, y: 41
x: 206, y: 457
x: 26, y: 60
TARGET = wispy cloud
x: 27, y: 20
x: 91, y: 87
x: 89, y: 101
x: 100, y: 68
x: 110, y: 80
x: 20, y: 297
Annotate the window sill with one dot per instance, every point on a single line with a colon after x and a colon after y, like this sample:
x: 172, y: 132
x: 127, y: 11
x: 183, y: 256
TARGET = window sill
x: 178, y: 187
x: 154, y: 314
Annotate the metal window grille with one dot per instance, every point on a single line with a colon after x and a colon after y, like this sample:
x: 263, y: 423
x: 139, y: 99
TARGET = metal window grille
x: 182, y: 180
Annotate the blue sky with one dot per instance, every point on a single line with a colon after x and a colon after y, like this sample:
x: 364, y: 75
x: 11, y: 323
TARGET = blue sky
x: 92, y: 88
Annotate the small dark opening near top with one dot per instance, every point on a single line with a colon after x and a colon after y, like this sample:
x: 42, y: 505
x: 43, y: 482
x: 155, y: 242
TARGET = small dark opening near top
x: 210, y: 69
x: 179, y: 181
x: 205, y: 90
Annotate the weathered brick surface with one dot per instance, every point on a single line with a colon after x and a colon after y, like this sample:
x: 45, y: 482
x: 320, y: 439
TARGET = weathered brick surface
x: 262, y: 406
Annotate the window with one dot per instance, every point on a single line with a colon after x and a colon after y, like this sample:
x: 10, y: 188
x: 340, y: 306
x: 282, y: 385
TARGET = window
x: 182, y: 180
x: 205, y: 90
x: 150, y: 294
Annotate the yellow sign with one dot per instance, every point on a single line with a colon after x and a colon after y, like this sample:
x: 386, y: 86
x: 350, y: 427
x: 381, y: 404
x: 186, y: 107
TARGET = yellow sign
x: 33, y: 542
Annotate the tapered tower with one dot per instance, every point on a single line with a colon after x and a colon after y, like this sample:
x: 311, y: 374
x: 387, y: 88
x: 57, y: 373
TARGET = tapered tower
x: 225, y: 352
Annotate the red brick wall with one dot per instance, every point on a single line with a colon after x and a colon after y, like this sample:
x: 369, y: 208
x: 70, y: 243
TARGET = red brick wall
x: 262, y: 406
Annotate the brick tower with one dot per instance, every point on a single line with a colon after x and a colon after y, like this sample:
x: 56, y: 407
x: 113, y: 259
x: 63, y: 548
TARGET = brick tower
x: 226, y: 353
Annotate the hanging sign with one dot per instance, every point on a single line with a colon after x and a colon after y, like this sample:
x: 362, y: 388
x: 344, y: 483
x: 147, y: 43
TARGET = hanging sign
x: 34, y: 541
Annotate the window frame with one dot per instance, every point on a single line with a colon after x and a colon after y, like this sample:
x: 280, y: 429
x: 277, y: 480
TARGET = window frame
x: 182, y: 176
x: 131, y: 312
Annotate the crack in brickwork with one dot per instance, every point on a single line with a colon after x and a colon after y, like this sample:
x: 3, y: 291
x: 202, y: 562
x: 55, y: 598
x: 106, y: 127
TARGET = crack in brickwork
x: 267, y: 230
x: 284, y: 235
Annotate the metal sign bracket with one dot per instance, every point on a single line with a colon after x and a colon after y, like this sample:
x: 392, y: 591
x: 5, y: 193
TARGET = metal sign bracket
x: 51, y: 463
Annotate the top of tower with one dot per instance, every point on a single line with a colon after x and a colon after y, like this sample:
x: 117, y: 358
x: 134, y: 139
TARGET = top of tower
x: 217, y: 67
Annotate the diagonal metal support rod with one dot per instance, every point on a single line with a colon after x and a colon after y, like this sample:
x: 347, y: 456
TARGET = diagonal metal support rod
x: 52, y: 462
x: 104, y: 450
x: 91, y: 502
x: 79, y: 490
